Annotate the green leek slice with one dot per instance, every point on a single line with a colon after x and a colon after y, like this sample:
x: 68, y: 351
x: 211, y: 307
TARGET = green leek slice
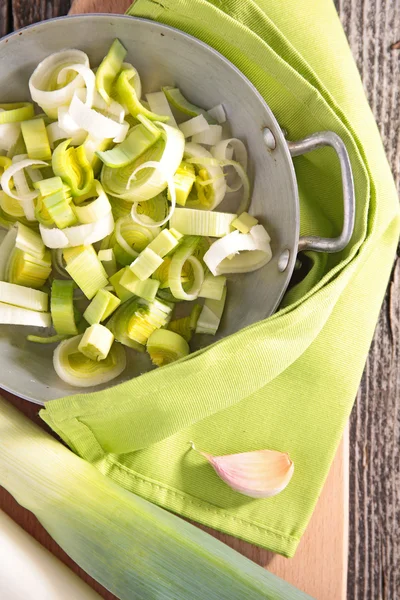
x: 29, y: 241
x: 178, y: 101
x: 144, y: 289
x: 107, y: 259
x: 122, y: 292
x: 30, y: 271
x: 58, y: 205
x: 87, y: 272
x: 165, y: 346
x: 36, y: 140
x: 73, y: 167
x: 16, y: 112
x: 184, y: 179
x: 94, y: 209
x: 128, y: 97
x: 50, y: 339
x: 62, y: 307
x: 244, y: 222
x: 211, y: 314
x: 5, y: 163
x: 23, y: 297
x: 15, y: 315
x: 185, y: 253
x: 78, y: 370
x: 109, y: 68
x: 145, y: 264
x: 164, y: 243
x: 96, y: 342
x: 139, y: 140
x: 210, y: 183
x: 101, y: 307
x: 186, y: 326
x: 200, y: 222
x: 213, y: 287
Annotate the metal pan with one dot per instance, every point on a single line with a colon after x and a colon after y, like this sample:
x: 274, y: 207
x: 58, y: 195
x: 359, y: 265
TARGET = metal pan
x: 163, y: 56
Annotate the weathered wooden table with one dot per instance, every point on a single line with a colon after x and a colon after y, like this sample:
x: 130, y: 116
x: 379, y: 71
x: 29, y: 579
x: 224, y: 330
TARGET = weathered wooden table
x: 372, y: 27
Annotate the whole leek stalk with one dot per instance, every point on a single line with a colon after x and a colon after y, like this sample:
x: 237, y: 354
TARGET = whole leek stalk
x: 135, y: 549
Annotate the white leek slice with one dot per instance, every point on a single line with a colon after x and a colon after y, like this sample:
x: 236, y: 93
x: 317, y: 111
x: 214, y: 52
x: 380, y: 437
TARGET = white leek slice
x: 213, y: 287
x: 96, y: 342
x: 55, y: 133
x: 194, y: 126
x: 19, y: 295
x: 9, y: 133
x: 227, y: 150
x: 114, y: 110
x: 189, y: 221
x: 133, y: 237
x: 78, y: 370
x: 171, y: 189
x: 159, y: 104
x: 96, y: 209
x: 218, y: 113
x: 78, y: 235
x: 94, y: 122
x: 211, y: 314
x: 87, y: 75
x: 182, y: 255
x: 12, y: 171
x: 15, y: 315
x: 196, y: 154
x: 210, y: 137
x: 255, y: 245
x: 42, y: 84
x: 29, y: 241
x: 165, y: 346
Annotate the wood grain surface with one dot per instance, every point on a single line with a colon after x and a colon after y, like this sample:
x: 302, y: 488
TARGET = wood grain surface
x: 372, y: 27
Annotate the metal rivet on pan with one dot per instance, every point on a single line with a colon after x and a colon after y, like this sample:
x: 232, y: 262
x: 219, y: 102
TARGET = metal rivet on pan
x: 269, y: 139
x: 283, y: 261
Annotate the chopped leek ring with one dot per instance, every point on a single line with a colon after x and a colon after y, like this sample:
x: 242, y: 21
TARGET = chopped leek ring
x: 49, y: 186
x: 225, y: 150
x: 134, y: 322
x: 78, y: 235
x: 244, y: 222
x: 87, y: 272
x: 11, y: 207
x: 72, y: 165
x: 88, y: 77
x: 210, y: 137
x: 218, y: 113
x: 6, y: 248
x: 93, y: 145
x: 255, y: 245
x: 94, y: 122
x: 213, y: 287
x: 184, y: 179
x: 77, y: 370
x: 178, y: 101
x: 144, y: 289
x: 138, y: 141
x: 15, y: 315
x: 214, y: 193
x: 159, y: 104
x: 51, y: 339
x: 156, y: 208
x: 43, y: 81
x: 107, y: 258
x: 29, y: 241
x: 59, y: 208
x: 26, y: 197
x: 194, y: 126
x: 24, y: 297
x: 164, y: 243
x: 95, y: 209
x: 28, y: 270
x: 108, y: 70
x: 55, y: 133
x: 186, y: 326
x: 16, y: 112
x: 36, y: 140
x: 171, y: 189
x: 183, y: 254
x: 121, y: 291
x: 210, y: 316
x: 145, y: 264
x: 201, y: 222
x: 96, y: 342
x: 132, y: 237
x: 62, y: 307
x: 101, y: 307
x: 127, y: 96
x: 165, y: 346
x: 9, y: 136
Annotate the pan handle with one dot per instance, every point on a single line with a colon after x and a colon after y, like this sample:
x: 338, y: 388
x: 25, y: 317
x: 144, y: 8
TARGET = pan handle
x: 319, y: 140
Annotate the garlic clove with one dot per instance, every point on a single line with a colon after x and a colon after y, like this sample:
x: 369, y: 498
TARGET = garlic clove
x: 258, y: 474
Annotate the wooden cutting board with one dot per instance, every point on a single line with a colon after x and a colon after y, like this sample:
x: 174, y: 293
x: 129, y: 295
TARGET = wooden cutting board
x: 320, y: 565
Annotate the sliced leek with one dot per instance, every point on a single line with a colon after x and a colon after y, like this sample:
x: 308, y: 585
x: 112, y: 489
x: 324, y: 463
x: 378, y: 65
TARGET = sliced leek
x: 165, y: 346
x: 23, y: 297
x: 163, y: 243
x: 134, y: 322
x: 77, y: 370
x: 183, y: 254
x: 36, y: 139
x: 186, y: 326
x: 178, y: 101
x: 144, y: 289
x: 28, y: 270
x: 94, y: 122
x: 107, y: 258
x: 29, y: 241
x: 62, y: 307
x: 24, y: 194
x: 128, y: 96
x: 122, y: 292
x: 213, y: 194
x: 210, y: 316
x: 145, y: 264
x: 209, y: 137
x: 94, y: 209
x: 72, y: 166
x: 184, y: 179
x: 201, y: 222
x: 244, y: 222
x: 213, y: 287
x: 78, y: 235
x: 158, y: 103
x: 15, y: 112
x: 87, y: 272
x: 138, y: 141
x: 194, y: 126
x: 15, y: 315
x: 101, y: 307
x: 96, y: 342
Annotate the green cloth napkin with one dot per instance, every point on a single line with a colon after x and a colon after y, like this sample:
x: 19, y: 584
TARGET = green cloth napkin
x: 289, y: 382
